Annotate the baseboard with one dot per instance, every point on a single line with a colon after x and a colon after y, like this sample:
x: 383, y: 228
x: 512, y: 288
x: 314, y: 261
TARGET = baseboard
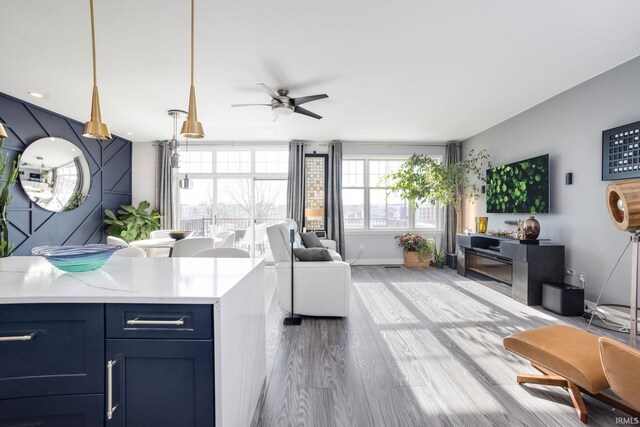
x: 377, y: 261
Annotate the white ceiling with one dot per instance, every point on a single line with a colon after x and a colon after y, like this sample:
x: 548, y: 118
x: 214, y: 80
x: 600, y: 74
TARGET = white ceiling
x: 418, y: 70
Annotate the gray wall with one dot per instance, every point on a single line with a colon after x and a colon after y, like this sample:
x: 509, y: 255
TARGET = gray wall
x: 569, y: 127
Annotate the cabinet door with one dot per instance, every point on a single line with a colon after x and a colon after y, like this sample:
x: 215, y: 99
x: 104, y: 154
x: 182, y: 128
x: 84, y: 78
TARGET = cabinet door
x: 53, y: 411
x: 50, y: 349
x: 160, y: 383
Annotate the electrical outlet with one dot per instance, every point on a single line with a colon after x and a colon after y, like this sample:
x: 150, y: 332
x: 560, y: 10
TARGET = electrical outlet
x: 570, y: 272
x: 361, y: 248
x: 582, y: 279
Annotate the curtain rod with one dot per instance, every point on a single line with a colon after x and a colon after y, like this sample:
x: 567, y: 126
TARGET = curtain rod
x: 321, y: 144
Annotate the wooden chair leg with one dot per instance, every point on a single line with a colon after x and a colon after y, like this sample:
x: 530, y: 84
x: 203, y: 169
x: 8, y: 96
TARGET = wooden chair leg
x: 552, y: 380
x: 578, y: 403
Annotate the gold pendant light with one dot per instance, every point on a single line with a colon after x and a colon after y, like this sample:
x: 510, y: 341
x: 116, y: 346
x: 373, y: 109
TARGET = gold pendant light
x: 94, y: 128
x: 3, y: 133
x: 192, y: 128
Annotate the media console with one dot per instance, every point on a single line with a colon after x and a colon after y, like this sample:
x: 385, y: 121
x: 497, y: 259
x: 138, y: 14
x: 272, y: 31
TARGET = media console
x: 525, y: 267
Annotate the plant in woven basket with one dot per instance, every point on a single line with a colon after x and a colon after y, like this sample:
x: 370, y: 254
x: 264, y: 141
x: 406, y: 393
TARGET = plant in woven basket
x: 412, y: 242
x: 7, y: 180
x: 132, y: 223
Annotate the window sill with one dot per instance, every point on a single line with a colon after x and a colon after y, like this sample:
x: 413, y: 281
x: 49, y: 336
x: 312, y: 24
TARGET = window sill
x: 396, y: 231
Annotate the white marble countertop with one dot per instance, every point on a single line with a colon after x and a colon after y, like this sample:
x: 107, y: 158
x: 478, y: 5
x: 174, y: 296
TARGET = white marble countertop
x: 31, y: 279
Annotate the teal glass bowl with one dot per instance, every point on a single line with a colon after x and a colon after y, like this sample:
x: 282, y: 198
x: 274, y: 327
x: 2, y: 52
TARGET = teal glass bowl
x: 77, y: 258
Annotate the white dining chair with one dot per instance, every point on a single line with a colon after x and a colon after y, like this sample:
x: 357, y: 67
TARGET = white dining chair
x: 228, y: 239
x: 159, y: 234
x: 116, y: 241
x: 131, y: 252
x: 222, y: 253
x: 188, y: 247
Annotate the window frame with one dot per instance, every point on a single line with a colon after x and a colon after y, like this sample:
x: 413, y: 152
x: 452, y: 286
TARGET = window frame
x: 367, y: 229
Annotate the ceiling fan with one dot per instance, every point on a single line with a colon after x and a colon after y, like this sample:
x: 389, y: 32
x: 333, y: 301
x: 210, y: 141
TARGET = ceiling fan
x: 283, y: 105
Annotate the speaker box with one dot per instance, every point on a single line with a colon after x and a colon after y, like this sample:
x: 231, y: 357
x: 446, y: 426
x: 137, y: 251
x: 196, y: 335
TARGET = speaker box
x: 563, y: 299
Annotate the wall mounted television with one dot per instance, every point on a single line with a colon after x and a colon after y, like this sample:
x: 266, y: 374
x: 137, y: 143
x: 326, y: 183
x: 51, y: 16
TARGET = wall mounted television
x: 520, y: 187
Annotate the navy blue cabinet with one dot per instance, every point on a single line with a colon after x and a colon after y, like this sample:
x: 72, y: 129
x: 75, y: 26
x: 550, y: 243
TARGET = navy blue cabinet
x: 53, y: 411
x: 160, y: 383
x: 51, y: 349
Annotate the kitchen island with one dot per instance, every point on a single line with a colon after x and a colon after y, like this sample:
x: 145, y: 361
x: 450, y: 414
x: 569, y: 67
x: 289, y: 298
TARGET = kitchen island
x: 141, y: 341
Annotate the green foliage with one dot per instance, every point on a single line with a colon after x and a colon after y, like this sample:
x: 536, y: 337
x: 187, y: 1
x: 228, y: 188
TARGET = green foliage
x: 424, y: 179
x: 411, y: 242
x: 74, y: 201
x: 132, y: 223
x: 519, y: 187
x: 439, y: 256
x: 6, y: 198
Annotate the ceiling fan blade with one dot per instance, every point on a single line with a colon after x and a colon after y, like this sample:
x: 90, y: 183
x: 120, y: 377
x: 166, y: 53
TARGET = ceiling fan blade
x: 301, y: 110
x: 250, y: 105
x: 269, y: 91
x: 305, y: 99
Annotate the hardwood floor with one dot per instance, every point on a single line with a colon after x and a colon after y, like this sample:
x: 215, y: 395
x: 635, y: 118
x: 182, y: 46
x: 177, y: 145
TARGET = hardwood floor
x: 420, y: 348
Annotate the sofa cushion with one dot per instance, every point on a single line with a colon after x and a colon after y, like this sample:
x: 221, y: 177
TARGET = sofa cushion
x: 312, y: 254
x: 310, y: 240
x: 335, y: 255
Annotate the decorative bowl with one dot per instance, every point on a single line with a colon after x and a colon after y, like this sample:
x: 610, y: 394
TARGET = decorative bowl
x: 180, y: 234
x: 76, y: 258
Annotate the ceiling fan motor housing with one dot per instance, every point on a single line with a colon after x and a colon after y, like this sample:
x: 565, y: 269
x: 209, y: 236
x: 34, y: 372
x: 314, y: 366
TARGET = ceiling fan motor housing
x: 282, y: 107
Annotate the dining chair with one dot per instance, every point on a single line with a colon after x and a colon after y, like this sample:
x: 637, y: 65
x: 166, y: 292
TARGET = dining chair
x: 228, y: 239
x: 130, y: 251
x: 188, y: 247
x: 222, y: 253
x: 116, y: 241
x: 159, y: 234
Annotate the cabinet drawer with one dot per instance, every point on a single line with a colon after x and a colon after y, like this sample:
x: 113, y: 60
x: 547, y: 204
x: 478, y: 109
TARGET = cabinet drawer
x: 175, y: 321
x: 53, y: 411
x: 48, y: 349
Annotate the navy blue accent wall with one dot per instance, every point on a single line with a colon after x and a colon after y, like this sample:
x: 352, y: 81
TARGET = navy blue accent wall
x: 110, y: 164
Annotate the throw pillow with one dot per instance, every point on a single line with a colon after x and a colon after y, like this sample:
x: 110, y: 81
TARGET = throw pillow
x: 312, y: 254
x: 311, y: 240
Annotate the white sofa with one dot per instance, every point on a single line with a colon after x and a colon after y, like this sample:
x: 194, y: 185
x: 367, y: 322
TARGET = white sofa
x: 322, y: 288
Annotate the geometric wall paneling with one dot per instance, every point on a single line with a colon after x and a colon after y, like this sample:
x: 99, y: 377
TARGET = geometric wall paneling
x: 31, y: 225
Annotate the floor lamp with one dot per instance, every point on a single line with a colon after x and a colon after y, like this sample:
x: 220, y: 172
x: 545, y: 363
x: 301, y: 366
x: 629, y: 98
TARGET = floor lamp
x: 623, y: 201
x: 292, y: 321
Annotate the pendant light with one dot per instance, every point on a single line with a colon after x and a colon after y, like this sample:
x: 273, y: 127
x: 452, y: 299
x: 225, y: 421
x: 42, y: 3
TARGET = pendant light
x: 94, y: 128
x: 192, y: 128
x: 173, y: 145
x: 186, y: 183
x: 3, y: 132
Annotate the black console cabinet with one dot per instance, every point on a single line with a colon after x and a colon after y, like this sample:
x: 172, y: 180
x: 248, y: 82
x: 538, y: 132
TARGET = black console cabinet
x: 523, y: 266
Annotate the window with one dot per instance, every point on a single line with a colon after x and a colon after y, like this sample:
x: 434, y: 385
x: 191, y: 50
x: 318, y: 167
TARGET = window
x: 234, y: 189
x: 368, y: 204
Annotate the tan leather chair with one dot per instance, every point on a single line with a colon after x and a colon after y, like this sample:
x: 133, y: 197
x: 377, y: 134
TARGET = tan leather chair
x: 581, y: 362
x: 621, y: 365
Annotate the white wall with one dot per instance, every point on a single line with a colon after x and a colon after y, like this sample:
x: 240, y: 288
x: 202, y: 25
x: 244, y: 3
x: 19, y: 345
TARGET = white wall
x: 380, y: 247
x: 569, y: 127
x: 143, y: 172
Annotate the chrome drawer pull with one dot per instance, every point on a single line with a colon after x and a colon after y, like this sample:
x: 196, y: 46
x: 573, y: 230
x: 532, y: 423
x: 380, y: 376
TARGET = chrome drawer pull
x: 110, y: 407
x: 137, y: 321
x: 28, y: 337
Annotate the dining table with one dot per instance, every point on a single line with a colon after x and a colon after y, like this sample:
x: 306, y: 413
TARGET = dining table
x: 162, y: 243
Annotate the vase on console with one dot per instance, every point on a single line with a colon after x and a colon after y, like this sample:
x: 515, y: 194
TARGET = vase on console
x: 531, y: 229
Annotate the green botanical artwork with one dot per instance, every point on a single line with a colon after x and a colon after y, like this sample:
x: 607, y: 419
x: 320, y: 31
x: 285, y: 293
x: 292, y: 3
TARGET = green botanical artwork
x: 521, y: 187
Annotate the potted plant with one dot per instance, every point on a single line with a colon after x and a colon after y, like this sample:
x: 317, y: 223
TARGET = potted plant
x: 7, y: 181
x: 425, y: 179
x: 417, y: 249
x: 439, y: 257
x: 132, y: 223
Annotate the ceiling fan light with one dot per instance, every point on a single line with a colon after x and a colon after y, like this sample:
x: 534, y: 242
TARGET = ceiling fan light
x: 283, y: 109
x: 192, y: 128
x: 3, y: 132
x: 95, y: 128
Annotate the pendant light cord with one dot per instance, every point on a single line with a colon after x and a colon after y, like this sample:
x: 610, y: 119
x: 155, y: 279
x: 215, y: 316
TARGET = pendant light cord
x: 192, y: 26
x: 93, y: 42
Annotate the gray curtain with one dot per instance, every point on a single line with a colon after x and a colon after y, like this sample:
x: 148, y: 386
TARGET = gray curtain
x: 295, y: 183
x: 335, y: 218
x: 165, y: 189
x: 452, y: 155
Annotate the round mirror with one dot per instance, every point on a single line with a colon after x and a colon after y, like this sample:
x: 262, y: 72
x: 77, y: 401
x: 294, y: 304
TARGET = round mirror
x: 55, y: 174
